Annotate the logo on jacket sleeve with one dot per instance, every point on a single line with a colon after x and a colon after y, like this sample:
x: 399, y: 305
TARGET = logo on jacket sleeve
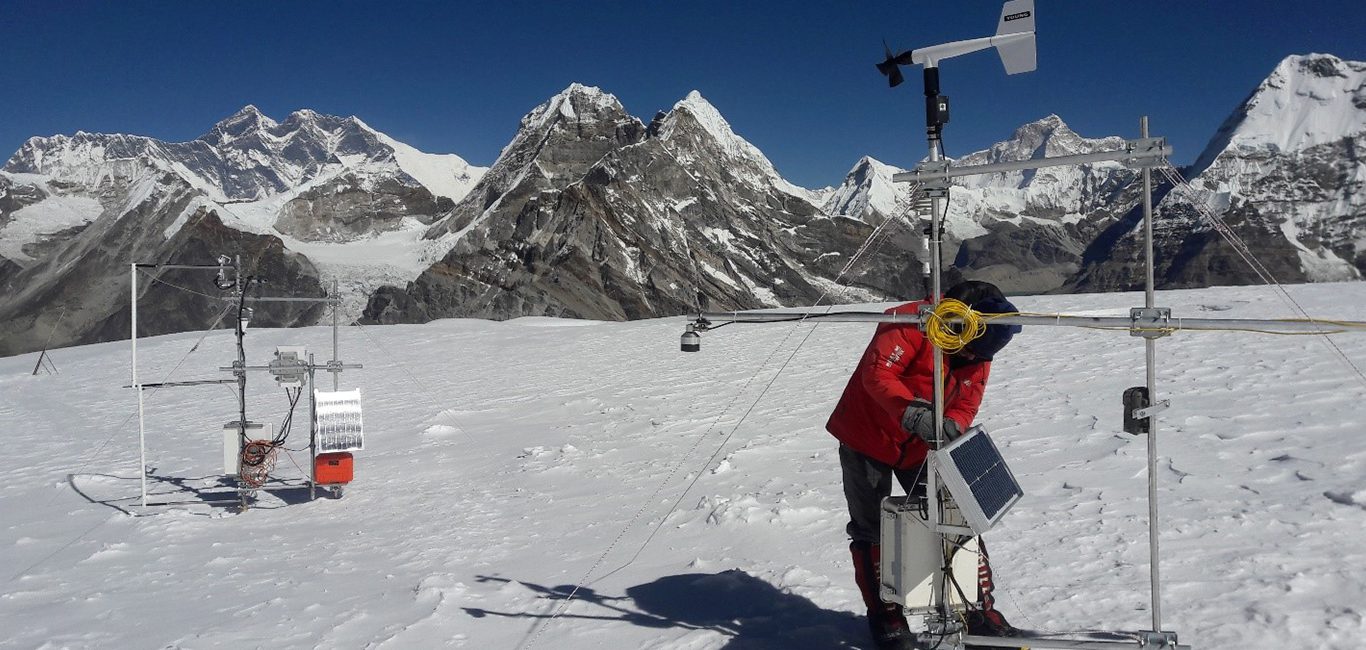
x: 896, y: 356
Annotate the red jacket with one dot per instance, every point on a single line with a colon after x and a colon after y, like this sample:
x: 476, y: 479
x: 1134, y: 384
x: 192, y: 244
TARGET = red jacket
x: 896, y: 368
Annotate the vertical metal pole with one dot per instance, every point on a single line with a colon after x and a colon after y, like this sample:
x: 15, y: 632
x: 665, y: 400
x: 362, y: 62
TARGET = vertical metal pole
x: 336, y: 306
x: 1150, y: 362
x: 142, y: 428
x: 312, y: 434
x: 939, y: 583
x: 240, y: 289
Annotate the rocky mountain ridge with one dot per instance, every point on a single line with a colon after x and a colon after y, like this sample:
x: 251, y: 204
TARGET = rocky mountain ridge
x: 592, y: 212
x: 601, y: 216
x: 306, y: 197
x: 1285, y: 171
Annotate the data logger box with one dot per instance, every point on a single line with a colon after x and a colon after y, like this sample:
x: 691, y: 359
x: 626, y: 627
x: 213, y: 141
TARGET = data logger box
x: 911, y: 552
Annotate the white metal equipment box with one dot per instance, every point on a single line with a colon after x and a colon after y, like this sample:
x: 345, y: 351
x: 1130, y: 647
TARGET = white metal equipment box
x: 232, y: 446
x: 911, y: 553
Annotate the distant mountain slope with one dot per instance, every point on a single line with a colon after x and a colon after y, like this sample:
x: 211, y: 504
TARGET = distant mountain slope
x: 1285, y: 171
x: 592, y: 212
x: 1024, y: 230
x: 76, y: 210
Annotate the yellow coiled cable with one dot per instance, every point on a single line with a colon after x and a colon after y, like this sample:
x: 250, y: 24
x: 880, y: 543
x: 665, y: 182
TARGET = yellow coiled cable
x: 952, y: 337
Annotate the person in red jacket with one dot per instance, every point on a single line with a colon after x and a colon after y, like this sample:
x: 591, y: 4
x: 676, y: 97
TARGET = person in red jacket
x: 883, y: 421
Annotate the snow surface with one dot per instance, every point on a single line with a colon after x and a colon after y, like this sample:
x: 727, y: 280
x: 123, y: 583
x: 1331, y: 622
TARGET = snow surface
x: 505, y: 459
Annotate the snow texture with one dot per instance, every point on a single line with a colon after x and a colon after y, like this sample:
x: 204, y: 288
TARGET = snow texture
x: 506, y: 462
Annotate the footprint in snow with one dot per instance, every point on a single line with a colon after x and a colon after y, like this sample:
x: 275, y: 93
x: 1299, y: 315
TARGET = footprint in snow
x: 1357, y: 499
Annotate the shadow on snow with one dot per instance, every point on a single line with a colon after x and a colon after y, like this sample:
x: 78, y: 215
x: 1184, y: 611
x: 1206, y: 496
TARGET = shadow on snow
x: 175, y: 491
x: 754, y: 614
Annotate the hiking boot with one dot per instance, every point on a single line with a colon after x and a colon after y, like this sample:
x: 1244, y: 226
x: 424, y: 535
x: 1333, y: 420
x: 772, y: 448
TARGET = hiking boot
x: 889, y: 629
x: 989, y: 623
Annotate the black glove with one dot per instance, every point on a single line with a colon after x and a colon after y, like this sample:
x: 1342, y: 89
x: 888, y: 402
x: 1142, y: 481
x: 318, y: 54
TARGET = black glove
x: 951, y: 430
x: 918, y: 420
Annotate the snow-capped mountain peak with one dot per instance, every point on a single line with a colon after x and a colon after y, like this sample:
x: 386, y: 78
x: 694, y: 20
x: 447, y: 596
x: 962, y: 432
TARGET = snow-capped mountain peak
x: 748, y: 162
x: 445, y: 175
x: 1048, y: 136
x: 247, y: 120
x: 1308, y: 100
x: 706, y: 116
x: 245, y: 157
x: 569, y: 103
x: 868, y: 192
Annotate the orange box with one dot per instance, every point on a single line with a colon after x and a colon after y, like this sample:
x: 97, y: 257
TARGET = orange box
x: 333, y: 468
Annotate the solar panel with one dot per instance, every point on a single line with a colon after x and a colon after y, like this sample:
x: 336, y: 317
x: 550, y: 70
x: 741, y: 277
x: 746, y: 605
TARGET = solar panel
x: 978, y: 479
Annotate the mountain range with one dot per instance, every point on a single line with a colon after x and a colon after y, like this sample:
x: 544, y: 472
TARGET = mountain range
x: 591, y: 212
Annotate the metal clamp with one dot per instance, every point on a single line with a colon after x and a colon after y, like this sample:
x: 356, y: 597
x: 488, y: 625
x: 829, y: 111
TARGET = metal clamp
x: 337, y: 366
x: 1149, y: 640
x: 935, y: 187
x: 1147, y: 152
x: 1150, y: 322
x: 1147, y: 412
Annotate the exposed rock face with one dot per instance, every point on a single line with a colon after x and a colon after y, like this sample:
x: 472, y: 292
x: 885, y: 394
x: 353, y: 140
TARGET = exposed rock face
x: 1285, y: 172
x: 1026, y: 230
x: 351, y: 207
x: 76, y: 210
x: 165, y: 307
x: 631, y: 222
x: 79, y: 291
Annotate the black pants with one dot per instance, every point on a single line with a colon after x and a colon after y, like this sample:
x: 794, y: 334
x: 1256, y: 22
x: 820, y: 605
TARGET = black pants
x: 866, y: 483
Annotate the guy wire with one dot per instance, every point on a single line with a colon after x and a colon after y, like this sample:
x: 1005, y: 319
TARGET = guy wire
x: 394, y: 360
x: 115, y: 430
x: 564, y: 604
x: 1174, y: 177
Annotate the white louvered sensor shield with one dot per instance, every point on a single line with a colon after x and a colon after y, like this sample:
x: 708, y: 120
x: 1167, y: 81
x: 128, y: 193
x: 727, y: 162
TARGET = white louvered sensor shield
x: 339, y: 421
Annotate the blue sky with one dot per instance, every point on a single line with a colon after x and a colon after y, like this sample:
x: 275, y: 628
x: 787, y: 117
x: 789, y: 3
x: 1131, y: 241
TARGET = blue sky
x: 795, y: 78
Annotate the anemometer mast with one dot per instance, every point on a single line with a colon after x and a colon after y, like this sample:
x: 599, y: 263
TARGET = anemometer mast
x: 1014, y: 42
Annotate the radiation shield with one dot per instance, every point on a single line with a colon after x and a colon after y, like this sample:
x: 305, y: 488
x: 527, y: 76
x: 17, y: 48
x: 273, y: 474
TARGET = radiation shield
x: 338, y: 420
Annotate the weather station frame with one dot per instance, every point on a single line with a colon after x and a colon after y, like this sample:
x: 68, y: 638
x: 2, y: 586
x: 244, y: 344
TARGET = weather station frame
x: 229, y: 278
x: 1015, y: 44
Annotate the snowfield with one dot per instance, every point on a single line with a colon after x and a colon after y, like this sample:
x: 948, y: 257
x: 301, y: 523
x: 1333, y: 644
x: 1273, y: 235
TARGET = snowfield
x: 506, y: 462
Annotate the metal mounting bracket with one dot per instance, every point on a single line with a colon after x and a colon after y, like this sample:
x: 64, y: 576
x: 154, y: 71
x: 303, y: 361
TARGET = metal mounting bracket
x: 1150, y: 640
x: 1148, y: 152
x: 1150, y: 322
x: 950, y: 529
x: 1147, y: 412
x: 937, y: 187
x: 1140, y: 152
